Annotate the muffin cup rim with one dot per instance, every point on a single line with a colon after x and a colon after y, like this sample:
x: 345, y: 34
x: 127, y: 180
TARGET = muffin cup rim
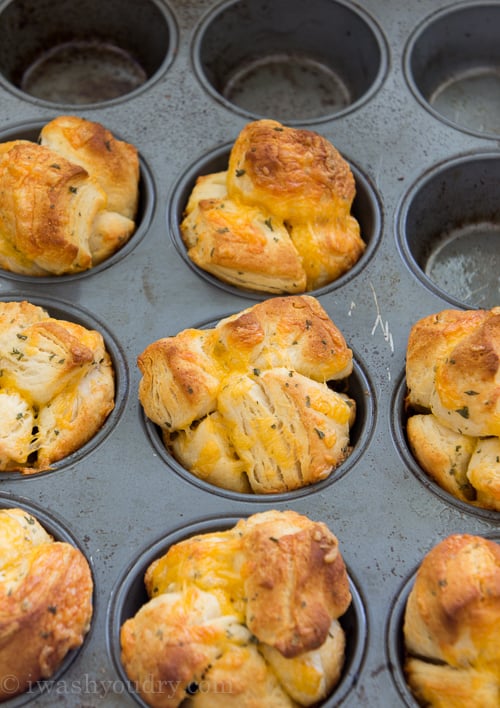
x: 404, y: 204
x: 372, y: 25
x: 414, y: 36
x: 172, y: 26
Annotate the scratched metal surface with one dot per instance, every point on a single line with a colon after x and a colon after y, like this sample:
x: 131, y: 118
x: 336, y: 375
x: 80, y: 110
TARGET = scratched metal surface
x: 120, y: 498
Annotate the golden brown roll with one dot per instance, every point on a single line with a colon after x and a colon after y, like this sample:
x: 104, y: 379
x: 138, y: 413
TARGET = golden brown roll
x: 451, y: 625
x: 69, y: 202
x: 243, y: 617
x: 245, y: 405
x: 279, y: 218
x: 45, y: 601
x: 56, y: 389
x: 453, y: 380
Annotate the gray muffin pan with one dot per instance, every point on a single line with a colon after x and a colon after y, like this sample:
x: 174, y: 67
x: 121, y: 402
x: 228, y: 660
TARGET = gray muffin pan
x: 409, y: 93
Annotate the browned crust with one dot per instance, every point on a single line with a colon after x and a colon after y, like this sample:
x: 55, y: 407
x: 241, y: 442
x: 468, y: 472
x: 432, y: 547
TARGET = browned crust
x: 299, y: 328
x: 208, y: 591
x: 295, y: 582
x: 45, y: 617
x: 65, y: 377
x: 38, y: 188
x: 288, y: 168
x: 113, y: 163
x: 299, y: 189
x: 451, y: 624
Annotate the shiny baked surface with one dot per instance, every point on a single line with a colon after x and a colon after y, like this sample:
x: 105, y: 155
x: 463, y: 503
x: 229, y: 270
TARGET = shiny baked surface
x: 453, y: 379
x: 254, y: 608
x: 451, y: 624
x: 245, y: 405
x: 67, y: 202
x: 45, y: 601
x: 279, y: 218
x: 56, y: 390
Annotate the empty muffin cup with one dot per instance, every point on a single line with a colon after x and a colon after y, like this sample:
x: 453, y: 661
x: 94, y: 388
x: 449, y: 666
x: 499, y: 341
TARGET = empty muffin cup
x: 84, y: 53
x: 290, y: 60
x: 129, y: 595
x: 366, y: 209
x: 452, y: 64
x: 66, y: 312
x: 449, y: 229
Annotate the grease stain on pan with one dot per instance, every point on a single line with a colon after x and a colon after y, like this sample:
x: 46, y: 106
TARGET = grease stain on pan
x: 82, y: 72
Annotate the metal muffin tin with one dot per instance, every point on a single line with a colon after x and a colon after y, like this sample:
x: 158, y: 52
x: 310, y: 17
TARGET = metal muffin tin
x: 408, y: 93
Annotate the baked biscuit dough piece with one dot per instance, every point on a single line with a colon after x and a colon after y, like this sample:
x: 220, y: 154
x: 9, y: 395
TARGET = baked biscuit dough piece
x: 180, y: 379
x: 194, y: 636
x: 47, y: 212
x: 245, y: 405
x: 288, y: 431
x: 295, y: 581
x: 68, y: 203
x: 278, y: 220
x: 242, y: 245
x: 301, y: 178
x: 453, y: 369
x: 313, y: 673
x: 274, y: 432
x: 451, y: 625
x: 45, y: 601
x: 443, y: 454
x: 57, y: 380
x: 206, y: 449
x: 294, y: 331
x: 110, y: 162
x: 453, y: 380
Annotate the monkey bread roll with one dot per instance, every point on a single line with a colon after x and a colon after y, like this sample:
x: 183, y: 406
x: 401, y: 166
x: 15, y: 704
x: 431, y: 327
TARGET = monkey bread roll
x: 453, y: 399
x: 57, y: 387
x: 246, y: 405
x: 68, y: 202
x: 452, y: 625
x: 279, y: 218
x: 45, y: 601
x: 244, y: 617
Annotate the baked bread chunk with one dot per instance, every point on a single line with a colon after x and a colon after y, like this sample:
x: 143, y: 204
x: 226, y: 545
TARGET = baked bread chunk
x: 451, y: 625
x: 453, y: 380
x: 279, y: 218
x: 245, y: 405
x: 243, y: 617
x: 45, y: 601
x: 56, y: 388
x: 68, y: 202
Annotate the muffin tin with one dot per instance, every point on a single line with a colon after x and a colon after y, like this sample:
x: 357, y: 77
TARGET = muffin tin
x: 409, y: 94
